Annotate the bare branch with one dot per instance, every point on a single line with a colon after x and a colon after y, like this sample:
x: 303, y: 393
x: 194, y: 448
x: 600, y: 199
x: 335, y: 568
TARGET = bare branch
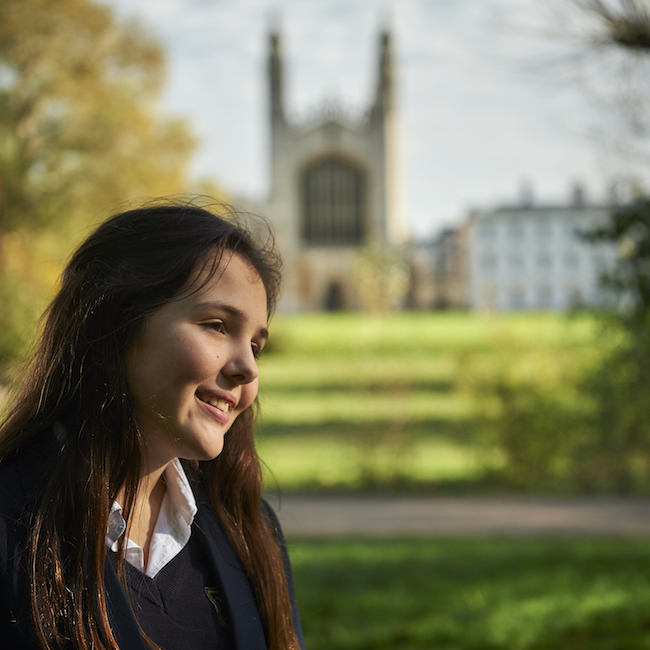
x: 625, y: 23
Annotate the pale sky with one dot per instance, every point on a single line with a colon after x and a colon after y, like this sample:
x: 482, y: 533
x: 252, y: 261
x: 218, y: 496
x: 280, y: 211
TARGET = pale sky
x: 478, y: 114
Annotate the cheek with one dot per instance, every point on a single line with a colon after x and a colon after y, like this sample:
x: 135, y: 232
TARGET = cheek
x: 189, y: 358
x: 248, y: 395
x: 168, y: 367
x: 199, y: 362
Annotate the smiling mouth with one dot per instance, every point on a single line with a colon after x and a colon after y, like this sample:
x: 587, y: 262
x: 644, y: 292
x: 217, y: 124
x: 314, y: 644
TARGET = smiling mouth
x: 220, y: 404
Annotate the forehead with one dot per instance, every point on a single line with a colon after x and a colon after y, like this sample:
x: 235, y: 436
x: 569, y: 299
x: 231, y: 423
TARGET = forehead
x: 227, y: 278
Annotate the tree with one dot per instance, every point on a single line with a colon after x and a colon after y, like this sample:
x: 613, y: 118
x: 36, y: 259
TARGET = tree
x: 382, y: 279
x: 610, y: 57
x: 80, y: 132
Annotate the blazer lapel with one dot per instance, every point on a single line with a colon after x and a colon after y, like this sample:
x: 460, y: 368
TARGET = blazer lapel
x: 245, y: 621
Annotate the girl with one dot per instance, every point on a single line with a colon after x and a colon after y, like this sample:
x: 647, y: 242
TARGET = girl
x: 130, y: 507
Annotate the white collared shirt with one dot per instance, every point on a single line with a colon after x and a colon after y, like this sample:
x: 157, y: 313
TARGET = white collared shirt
x: 172, y: 530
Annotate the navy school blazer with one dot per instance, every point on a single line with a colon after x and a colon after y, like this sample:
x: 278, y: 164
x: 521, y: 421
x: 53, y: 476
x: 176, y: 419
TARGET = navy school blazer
x: 22, y: 480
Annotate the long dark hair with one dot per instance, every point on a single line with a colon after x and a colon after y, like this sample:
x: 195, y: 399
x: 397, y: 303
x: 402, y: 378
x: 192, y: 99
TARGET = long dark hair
x: 133, y: 263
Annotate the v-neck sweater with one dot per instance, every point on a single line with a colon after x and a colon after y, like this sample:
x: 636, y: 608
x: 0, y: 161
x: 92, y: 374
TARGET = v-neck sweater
x: 181, y: 607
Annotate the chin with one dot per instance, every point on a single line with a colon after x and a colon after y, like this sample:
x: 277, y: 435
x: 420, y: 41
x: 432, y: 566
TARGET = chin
x: 216, y: 453
x: 202, y: 453
x: 212, y: 452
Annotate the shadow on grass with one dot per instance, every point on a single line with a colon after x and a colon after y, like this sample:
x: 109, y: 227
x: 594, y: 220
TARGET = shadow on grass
x: 388, y: 384
x: 620, y: 629
x: 486, y: 485
x: 471, y: 594
x: 456, y: 431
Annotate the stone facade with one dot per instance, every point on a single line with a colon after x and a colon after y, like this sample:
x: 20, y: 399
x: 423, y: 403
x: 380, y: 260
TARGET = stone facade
x: 439, y: 271
x: 333, y: 190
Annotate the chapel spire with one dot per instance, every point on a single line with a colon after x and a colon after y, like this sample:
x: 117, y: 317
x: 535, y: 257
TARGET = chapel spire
x: 275, y: 79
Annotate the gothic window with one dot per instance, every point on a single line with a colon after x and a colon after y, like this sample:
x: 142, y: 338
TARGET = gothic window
x: 333, y: 204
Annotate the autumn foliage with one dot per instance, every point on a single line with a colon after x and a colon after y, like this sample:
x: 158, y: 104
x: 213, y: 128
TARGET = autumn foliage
x: 80, y: 133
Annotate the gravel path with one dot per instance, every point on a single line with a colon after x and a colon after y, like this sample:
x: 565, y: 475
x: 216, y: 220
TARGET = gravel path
x: 332, y: 516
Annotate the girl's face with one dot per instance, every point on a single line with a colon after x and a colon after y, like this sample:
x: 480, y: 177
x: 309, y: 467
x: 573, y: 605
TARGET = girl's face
x: 192, y: 369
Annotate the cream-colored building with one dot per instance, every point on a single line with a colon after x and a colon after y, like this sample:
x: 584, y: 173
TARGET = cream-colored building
x: 334, y: 191
x: 534, y: 257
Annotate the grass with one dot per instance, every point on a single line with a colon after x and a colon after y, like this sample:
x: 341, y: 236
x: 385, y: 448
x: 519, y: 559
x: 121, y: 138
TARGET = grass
x: 474, y: 594
x: 356, y: 401
x: 357, y: 461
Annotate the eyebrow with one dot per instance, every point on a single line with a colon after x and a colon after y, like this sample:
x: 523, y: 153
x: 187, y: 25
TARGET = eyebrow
x: 233, y: 311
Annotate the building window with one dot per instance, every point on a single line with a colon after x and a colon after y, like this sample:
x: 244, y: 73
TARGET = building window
x: 571, y: 261
x: 488, y: 262
x: 333, y: 204
x: 572, y: 233
x: 486, y: 232
x: 489, y: 295
x: 544, y: 295
x: 516, y: 262
x: 544, y: 261
x: 574, y: 296
x: 516, y: 231
x: 517, y: 297
x: 543, y: 231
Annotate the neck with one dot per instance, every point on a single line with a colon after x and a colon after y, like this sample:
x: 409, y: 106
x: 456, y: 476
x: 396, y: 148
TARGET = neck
x: 146, y: 508
x: 150, y: 481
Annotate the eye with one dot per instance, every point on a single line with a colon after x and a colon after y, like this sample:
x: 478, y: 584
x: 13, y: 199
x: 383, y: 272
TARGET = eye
x: 257, y: 351
x: 216, y: 325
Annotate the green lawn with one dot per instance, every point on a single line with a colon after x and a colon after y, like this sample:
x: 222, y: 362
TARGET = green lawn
x: 474, y: 594
x: 356, y: 401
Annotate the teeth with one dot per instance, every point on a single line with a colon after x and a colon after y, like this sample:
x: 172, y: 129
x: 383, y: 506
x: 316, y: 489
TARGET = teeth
x: 221, y: 404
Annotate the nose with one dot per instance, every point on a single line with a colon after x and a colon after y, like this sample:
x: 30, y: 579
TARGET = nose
x: 242, y: 366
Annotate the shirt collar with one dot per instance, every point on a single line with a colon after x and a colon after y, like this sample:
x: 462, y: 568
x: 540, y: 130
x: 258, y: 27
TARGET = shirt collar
x: 181, y: 499
x: 180, y: 492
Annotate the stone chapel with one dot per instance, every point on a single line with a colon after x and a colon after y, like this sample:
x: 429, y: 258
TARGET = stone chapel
x: 334, y: 190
